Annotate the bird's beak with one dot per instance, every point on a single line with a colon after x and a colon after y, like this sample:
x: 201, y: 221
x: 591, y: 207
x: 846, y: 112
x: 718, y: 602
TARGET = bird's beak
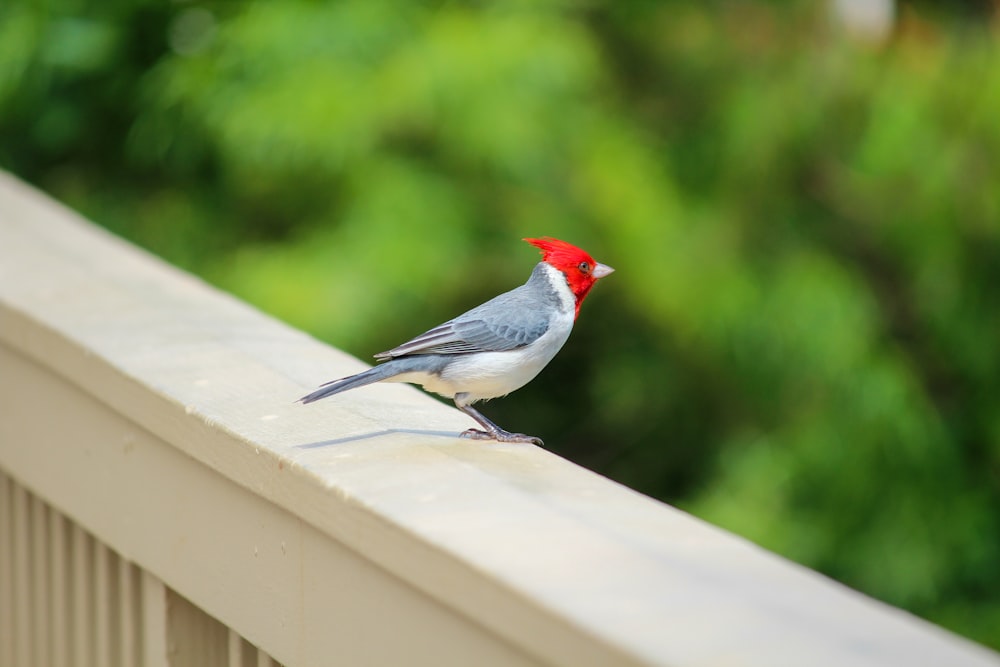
x: 601, y: 270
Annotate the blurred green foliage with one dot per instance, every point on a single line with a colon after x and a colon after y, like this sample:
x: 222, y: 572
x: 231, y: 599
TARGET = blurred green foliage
x: 801, y: 341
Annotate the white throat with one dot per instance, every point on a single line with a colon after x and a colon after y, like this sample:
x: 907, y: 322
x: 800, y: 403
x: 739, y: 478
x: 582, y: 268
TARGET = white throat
x: 567, y: 300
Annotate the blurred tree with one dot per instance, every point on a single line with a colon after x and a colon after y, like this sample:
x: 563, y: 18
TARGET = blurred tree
x: 800, y: 343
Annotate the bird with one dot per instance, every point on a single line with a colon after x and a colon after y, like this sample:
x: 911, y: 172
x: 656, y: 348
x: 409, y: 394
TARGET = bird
x: 496, y: 347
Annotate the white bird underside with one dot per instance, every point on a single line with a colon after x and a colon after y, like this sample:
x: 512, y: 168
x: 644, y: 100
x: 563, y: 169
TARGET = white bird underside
x: 492, y: 374
x: 477, y: 367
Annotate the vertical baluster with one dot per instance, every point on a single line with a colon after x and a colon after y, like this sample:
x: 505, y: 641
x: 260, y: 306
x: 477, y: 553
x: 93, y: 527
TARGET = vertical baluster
x: 129, y: 614
x: 102, y: 605
x: 155, y: 647
x: 59, y: 599
x: 7, y: 597
x: 22, y: 578
x: 235, y: 654
x: 40, y: 618
x: 83, y: 635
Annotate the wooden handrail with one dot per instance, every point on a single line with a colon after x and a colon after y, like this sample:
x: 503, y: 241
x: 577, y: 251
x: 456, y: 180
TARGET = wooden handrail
x: 158, y: 413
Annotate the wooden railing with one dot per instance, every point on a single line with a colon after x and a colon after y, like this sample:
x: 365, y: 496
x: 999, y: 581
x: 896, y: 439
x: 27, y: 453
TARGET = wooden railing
x: 164, y: 502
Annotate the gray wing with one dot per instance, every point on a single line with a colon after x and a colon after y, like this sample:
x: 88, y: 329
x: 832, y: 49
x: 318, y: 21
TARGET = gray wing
x: 507, y: 322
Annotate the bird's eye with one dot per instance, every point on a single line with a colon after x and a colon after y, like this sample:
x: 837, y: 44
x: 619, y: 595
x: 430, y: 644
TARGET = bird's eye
x: 584, y: 267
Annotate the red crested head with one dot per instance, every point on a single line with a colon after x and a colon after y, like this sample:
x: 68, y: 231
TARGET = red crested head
x: 577, y: 265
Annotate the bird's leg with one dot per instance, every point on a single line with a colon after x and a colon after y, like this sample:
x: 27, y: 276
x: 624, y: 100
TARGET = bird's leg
x: 492, y: 432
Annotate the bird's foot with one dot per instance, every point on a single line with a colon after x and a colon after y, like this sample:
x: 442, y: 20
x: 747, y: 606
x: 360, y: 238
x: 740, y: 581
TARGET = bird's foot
x: 501, y: 435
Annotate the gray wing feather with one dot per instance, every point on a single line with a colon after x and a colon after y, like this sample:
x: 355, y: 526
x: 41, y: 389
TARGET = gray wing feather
x: 507, y: 322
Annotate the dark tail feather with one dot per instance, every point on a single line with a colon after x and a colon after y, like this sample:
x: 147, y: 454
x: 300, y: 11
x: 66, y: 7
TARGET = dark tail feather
x: 375, y: 374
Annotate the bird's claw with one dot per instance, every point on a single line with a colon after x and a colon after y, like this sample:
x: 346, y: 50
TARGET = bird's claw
x: 475, y: 434
x: 501, y: 436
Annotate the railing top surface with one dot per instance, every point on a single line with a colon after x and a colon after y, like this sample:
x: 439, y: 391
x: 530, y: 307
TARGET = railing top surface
x: 512, y: 536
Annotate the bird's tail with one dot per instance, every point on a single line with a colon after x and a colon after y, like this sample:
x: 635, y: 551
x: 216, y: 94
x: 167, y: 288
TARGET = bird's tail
x: 378, y: 373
